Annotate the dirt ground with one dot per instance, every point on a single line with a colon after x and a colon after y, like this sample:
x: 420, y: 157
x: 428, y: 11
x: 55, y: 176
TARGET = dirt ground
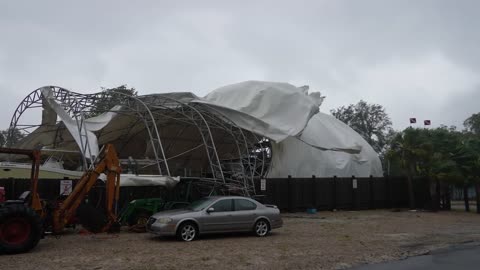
x: 327, y: 240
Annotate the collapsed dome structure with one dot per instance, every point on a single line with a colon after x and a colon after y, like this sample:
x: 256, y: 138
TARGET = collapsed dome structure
x: 231, y: 137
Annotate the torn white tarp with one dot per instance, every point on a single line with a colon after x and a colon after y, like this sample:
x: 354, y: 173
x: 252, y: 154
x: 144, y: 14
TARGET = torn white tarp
x: 326, y: 148
x: 132, y: 180
x: 81, y: 129
x: 328, y: 133
x: 274, y: 110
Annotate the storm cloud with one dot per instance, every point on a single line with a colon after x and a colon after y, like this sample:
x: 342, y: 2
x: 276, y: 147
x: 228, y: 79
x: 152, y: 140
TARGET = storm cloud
x: 416, y: 58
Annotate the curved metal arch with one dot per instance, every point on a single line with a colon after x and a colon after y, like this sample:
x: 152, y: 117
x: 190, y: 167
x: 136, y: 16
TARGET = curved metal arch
x: 222, y: 123
x: 200, y: 115
x: 75, y: 103
x: 248, y: 146
x: 207, y: 142
x: 155, y: 129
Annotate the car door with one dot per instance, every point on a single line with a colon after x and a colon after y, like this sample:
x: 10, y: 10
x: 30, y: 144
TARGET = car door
x: 244, y: 215
x: 221, y: 218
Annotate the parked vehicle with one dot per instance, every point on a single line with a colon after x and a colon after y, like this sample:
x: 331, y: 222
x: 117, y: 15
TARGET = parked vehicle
x: 217, y: 214
x: 139, y: 210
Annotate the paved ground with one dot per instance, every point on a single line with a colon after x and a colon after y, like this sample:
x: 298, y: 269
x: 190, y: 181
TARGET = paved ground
x: 466, y: 257
x: 326, y: 240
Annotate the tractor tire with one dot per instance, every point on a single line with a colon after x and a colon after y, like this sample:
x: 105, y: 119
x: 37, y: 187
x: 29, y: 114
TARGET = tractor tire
x: 139, y: 217
x: 138, y: 221
x: 20, y: 229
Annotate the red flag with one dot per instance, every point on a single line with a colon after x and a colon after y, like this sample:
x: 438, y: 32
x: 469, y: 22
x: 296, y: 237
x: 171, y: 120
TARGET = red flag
x: 413, y: 120
x: 426, y: 122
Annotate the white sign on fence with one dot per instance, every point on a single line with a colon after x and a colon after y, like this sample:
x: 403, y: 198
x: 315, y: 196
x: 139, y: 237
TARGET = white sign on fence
x: 65, y: 187
x: 354, y: 183
x: 263, y: 184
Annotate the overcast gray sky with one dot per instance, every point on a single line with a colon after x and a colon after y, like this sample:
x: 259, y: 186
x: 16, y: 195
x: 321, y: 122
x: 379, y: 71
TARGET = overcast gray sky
x: 417, y: 58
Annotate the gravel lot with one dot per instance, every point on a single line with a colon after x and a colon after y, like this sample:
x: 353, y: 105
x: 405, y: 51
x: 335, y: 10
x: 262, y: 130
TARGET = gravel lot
x: 327, y: 240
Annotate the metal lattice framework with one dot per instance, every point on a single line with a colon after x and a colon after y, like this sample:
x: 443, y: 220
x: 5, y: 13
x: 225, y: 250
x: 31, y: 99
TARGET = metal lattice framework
x: 159, y: 114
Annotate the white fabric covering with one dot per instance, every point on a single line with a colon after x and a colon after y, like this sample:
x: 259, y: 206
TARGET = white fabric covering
x: 81, y: 132
x: 132, y: 180
x: 274, y: 110
x: 305, y: 142
x: 326, y: 148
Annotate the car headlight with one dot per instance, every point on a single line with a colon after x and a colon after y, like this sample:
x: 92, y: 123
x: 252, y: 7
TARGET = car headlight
x: 164, y: 220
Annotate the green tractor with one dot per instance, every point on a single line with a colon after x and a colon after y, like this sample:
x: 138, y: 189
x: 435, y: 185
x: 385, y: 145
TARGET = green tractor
x: 137, y: 212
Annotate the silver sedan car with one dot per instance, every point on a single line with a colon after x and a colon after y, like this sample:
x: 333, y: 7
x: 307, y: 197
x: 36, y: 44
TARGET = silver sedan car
x: 216, y: 215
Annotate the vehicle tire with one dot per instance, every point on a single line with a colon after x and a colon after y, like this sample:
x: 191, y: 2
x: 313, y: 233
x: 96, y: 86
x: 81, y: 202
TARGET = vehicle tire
x: 20, y: 229
x: 139, y: 218
x: 138, y: 221
x: 187, y: 232
x: 261, y: 228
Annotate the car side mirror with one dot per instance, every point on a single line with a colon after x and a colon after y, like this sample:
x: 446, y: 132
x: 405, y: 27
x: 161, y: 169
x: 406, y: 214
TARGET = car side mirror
x: 211, y: 209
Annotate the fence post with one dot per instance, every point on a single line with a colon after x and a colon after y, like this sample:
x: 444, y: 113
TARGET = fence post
x: 465, y: 197
x: 13, y: 196
x: 314, y: 192
x: 291, y: 200
x: 372, y: 195
x: 387, y: 192
x: 448, y: 198
x: 477, y: 193
x: 334, y: 193
x: 354, y: 186
x: 436, y: 201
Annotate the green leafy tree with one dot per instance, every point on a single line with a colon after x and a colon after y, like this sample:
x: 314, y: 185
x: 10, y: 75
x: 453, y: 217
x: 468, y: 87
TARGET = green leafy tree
x: 2, y: 139
x: 441, y: 155
x: 411, y: 148
x: 467, y: 158
x: 8, y: 138
x: 472, y: 123
x: 370, y: 120
x: 109, y: 99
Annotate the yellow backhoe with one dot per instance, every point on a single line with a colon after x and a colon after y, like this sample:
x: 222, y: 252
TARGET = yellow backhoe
x: 23, y: 221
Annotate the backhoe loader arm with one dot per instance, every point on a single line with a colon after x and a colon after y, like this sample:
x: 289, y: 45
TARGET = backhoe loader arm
x: 108, y: 164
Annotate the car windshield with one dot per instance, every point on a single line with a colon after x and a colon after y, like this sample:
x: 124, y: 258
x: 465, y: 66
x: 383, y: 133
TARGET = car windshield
x: 200, y: 204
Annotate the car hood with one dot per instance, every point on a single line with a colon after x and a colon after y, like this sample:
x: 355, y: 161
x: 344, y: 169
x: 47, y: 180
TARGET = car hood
x: 172, y: 213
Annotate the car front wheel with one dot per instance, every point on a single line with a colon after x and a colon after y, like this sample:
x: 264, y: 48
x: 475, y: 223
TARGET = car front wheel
x: 187, y: 232
x: 261, y: 228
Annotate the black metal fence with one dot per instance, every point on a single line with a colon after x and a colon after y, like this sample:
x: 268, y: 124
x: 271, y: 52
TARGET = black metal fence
x: 298, y: 194
x: 291, y: 194
x: 50, y: 189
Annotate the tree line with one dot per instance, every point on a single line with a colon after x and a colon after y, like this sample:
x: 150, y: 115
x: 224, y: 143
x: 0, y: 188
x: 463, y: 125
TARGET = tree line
x: 442, y: 154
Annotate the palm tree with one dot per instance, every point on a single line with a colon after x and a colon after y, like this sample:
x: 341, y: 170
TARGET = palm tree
x: 467, y: 160
x: 412, y: 148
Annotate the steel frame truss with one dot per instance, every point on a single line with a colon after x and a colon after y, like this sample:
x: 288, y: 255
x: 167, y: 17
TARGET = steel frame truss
x: 152, y: 110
